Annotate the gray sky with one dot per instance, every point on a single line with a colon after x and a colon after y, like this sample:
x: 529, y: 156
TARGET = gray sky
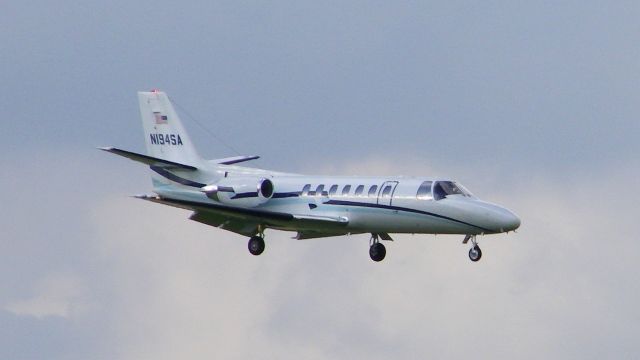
x: 533, y: 106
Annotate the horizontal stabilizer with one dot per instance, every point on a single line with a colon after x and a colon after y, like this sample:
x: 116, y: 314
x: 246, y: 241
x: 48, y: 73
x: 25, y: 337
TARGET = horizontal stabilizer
x: 234, y: 160
x: 149, y: 160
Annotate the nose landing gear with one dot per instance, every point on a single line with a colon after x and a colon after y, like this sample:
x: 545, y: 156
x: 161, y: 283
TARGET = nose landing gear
x: 474, y: 253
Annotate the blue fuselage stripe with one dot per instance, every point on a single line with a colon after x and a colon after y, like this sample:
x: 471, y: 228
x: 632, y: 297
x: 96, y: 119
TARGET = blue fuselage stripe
x: 398, y: 208
x: 173, y: 177
x: 251, y: 194
x: 281, y: 195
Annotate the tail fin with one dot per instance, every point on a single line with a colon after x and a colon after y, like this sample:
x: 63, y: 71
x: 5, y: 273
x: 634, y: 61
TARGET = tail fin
x: 165, y: 136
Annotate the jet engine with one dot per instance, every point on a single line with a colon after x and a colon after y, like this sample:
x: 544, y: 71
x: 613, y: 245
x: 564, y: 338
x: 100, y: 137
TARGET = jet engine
x: 242, y: 192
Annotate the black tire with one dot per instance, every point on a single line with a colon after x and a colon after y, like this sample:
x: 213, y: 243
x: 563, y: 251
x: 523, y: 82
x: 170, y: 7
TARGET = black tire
x: 377, y: 252
x: 475, y: 253
x: 256, y: 245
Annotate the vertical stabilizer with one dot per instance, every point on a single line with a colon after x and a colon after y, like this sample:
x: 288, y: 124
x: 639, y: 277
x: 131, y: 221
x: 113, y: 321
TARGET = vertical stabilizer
x: 165, y: 137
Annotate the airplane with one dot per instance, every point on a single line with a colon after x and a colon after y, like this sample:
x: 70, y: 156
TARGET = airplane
x: 247, y: 201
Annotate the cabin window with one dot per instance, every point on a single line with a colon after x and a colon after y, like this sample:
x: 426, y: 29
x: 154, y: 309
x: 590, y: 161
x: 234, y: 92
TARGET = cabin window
x: 346, y: 190
x: 359, y: 190
x: 386, y: 192
x: 305, y: 190
x: 372, y: 190
x: 424, y: 191
x: 319, y: 190
x: 333, y: 190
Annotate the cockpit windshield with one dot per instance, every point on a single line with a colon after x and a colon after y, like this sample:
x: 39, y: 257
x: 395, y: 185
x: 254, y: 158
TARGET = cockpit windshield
x: 441, y: 189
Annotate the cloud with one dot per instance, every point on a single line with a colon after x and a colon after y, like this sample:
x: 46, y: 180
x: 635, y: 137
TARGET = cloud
x: 182, y: 289
x: 530, y: 108
x: 56, y: 295
x: 153, y: 284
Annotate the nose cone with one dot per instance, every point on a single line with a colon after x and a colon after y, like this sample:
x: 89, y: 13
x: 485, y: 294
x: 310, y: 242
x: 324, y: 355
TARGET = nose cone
x: 496, y: 218
x: 509, y: 221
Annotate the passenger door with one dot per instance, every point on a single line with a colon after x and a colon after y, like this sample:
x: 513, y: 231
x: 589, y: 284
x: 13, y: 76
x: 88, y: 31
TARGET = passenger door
x: 385, y: 195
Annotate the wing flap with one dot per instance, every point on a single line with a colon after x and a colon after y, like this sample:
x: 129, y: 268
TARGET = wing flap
x: 330, y: 219
x: 306, y: 235
x: 237, y: 226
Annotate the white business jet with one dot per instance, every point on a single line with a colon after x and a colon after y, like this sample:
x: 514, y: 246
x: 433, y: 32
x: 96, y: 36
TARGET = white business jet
x: 248, y: 201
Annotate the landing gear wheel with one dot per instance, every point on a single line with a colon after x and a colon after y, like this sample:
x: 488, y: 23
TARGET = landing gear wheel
x: 475, y: 253
x: 377, y: 251
x: 256, y: 245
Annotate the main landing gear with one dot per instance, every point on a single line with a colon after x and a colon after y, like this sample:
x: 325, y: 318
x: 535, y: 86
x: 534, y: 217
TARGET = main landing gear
x: 377, y: 251
x: 474, y: 253
x: 256, y: 245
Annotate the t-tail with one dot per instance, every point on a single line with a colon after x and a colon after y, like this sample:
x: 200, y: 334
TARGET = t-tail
x: 171, y: 155
x: 164, y: 135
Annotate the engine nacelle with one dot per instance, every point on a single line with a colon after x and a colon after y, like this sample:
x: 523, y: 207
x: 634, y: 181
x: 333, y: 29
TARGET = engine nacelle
x: 243, y: 192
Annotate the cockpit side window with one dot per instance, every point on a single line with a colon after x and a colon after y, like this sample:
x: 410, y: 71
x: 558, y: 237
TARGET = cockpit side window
x: 443, y: 188
x: 438, y: 192
x: 451, y: 188
x: 424, y: 191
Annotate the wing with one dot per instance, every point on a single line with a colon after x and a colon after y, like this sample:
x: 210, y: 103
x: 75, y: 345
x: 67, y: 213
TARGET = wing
x: 307, y: 234
x: 242, y: 227
x: 246, y: 221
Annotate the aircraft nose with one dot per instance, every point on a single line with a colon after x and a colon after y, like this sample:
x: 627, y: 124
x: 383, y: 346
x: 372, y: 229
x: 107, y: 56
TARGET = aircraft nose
x: 497, y: 218
x: 508, y: 221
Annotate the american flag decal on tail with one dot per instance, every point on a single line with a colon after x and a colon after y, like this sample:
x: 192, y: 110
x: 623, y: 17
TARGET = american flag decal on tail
x: 160, y: 119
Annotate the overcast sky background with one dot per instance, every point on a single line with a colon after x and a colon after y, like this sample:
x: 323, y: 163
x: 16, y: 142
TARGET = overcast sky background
x: 533, y: 106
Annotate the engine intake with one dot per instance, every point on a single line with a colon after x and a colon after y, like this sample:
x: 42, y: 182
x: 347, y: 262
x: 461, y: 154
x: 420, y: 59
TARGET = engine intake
x: 265, y: 188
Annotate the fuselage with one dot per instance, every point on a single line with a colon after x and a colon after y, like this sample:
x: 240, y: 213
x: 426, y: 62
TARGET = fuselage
x: 368, y: 204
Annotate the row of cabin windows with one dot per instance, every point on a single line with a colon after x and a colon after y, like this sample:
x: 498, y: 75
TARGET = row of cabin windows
x: 333, y: 190
x: 440, y: 190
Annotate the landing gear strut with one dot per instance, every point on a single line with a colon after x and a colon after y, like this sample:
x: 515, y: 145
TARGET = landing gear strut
x: 377, y: 251
x: 474, y: 253
x: 256, y: 245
